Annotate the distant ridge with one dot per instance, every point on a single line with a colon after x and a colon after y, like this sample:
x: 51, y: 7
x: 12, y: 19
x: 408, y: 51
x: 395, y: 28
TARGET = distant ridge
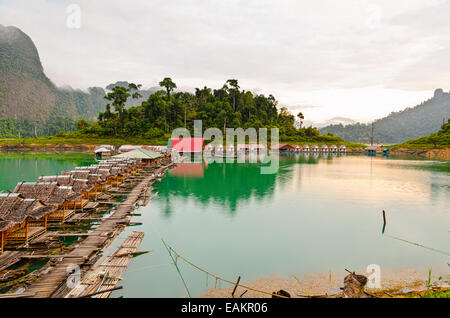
x: 333, y: 121
x: 421, y: 120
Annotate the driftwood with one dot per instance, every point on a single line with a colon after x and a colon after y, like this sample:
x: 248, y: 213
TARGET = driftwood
x: 281, y: 294
x: 354, y: 285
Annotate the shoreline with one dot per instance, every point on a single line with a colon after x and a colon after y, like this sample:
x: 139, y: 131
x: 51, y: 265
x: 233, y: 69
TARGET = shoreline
x: 394, y: 282
x: 425, y: 153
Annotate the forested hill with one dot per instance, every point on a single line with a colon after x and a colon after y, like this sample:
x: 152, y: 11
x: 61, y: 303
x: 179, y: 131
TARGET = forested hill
x: 421, y: 120
x: 29, y: 101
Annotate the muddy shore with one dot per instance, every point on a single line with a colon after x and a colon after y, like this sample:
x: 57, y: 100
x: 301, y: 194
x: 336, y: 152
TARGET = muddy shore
x: 434, y: 154
x: 393, y: 282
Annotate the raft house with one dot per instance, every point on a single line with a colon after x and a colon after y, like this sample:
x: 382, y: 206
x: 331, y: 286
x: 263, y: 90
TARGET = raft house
x: 243, y: 148
x: 188, y: 147
x: 26, y: 212
x: 21, y: 219
x: 147, y: 157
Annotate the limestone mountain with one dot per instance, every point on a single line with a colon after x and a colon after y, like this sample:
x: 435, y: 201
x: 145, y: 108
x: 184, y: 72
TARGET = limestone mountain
x: 28, y: 96
x: 421, y: 120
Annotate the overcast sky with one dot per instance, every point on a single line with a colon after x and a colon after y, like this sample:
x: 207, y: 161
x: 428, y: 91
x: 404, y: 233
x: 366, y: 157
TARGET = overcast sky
x: 352, y: 58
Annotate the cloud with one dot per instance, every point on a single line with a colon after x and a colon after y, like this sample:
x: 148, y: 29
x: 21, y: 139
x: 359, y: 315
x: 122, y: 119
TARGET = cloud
x: 288, y: 48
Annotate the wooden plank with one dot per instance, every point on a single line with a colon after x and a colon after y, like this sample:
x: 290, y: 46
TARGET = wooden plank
x: 114, y: 266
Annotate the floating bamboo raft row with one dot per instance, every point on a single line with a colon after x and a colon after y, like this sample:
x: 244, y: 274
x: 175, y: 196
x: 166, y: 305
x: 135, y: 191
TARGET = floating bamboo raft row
x: 106, y: 276
x: 52, y: 282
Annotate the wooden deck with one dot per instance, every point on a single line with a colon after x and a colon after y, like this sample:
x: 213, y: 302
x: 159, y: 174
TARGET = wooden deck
x: 53, y: 283
x: 108, y: 274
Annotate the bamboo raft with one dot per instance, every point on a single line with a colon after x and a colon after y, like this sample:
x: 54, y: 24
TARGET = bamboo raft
x: 106, y: 276
x: 53, y: 283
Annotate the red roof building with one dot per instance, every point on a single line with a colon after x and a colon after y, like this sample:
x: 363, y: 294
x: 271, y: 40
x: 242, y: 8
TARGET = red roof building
x: 188, y: 145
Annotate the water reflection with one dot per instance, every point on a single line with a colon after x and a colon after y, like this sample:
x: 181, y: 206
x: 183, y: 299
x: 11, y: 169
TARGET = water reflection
x: 353, y: 178
x: 227, y: 184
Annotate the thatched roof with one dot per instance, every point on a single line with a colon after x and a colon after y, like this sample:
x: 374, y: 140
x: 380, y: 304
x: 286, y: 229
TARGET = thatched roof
x: 14, y: 210
x: 81, y: 174
x: 6, y: 225
x: 104, y: 172
x: 80, y: 185
x: 47, y: 192
x: 39, y: 190
x: 63, y: 194
x: 96, y: 178
x: 65, y: 180
x: 32, y: 208
x: 115, y: 171
x: 7, y: 203
x: 140, y: 154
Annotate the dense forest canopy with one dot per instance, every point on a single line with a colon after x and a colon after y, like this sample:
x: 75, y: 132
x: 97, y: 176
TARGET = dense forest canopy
x: 166, y: 110
x: 398, y: 127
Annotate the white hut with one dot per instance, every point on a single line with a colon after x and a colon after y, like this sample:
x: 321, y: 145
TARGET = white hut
x: 257, y: 147
x: 209, y: 148
x: 324, y: 148
x: 297, y: 148
x: 306, y: 148
x: 342, y: 148
x: 219, y: 148
x: 333, y: 148
x: 243, y: 148
x: 315, y: 148
x: 230, y: 149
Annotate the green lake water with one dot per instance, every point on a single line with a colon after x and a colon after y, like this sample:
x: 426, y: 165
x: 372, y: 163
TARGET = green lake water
x: 316, y: 214
x: 16, y: 167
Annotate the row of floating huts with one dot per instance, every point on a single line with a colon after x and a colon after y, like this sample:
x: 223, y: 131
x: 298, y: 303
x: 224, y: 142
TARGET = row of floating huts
x: 281, y: 148
x: 26, y: 212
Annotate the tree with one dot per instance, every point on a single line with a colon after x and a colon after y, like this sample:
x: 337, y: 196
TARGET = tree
x: 434, y: 139
x: 82, y: 125
x: 301, y: 118
x: 118, y: 98
x: 169, y: 85
x: 234, y: 90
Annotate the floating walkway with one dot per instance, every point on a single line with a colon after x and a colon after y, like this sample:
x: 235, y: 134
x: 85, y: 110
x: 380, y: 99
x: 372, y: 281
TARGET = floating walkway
x: 52, y: 284
x: 106, y: 276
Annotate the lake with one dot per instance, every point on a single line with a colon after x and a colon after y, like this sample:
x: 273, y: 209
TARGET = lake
x: 16, y: 166
x: 316, y: 214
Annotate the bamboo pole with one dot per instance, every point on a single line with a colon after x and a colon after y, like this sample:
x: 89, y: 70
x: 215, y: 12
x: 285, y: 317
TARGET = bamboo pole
x: 26, y: 232
x: 3, y: 242
x: 102, y: 292
x: 236, y: 286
